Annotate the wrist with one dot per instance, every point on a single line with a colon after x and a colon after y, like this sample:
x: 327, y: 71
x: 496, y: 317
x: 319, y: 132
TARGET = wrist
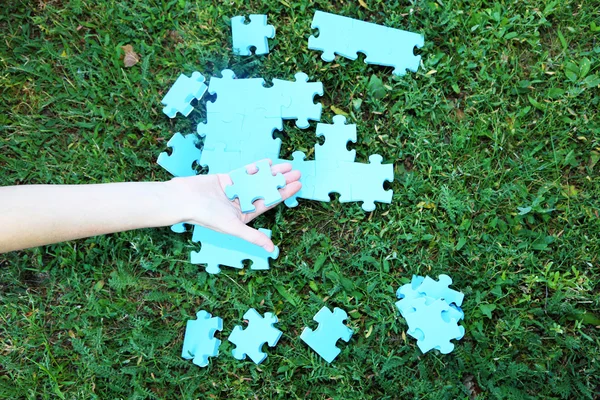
x: 185, y: 197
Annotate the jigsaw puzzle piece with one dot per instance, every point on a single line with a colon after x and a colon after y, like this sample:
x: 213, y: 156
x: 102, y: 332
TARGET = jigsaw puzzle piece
x: 248, y: 188
x: 249, y: 341
x: 367, y: 182
x: 216, y: 130
x: 199, y: 342
x: 181, y: 94
x: 335, y: 33
x: 331, y: 328
x: 337, y: 136
x: 301, y: 94
x: 440, y: 290
x: 180, y: 162
x: 220, y: 161
x: 307, y: 170
x: 254, y: 34
x: 334, y: 177
x: 426, y: 324
x: 222, y: 249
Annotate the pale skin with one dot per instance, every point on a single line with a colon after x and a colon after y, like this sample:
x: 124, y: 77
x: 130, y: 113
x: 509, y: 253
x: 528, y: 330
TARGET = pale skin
x: 37, y: 215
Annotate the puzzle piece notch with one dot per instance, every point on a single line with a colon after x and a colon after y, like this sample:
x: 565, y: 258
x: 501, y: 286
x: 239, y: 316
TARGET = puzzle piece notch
x: 183, y: 155
x: 382, y: 45
x: 431, y: 330
x: 337, y: 136
x: 199, y: 342
x: 248, y: 188
x: 302, y: 106
x: 331, y: 328
x: 249, y: 341
x: 221, y: 249
x: 254, y: 34
x: 180, y: 95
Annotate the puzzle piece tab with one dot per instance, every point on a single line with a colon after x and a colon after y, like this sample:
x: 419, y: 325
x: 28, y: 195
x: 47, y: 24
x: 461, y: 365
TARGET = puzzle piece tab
x: 254, y: 34
x: 249, y: 341
x: 221, y: 249
x: 184, y: 154
x: 199, y: 342
x: 337, y: 136
x: 181, y: 94
x: 331, y: 328
x: 382, y: 45
x: 431, y: 330
x: 250, y: 187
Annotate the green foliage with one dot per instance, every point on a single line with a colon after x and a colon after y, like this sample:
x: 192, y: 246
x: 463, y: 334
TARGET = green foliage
x: 495, y: 141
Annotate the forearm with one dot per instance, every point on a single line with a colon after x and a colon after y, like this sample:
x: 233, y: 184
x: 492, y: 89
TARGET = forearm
x: 35, y: 215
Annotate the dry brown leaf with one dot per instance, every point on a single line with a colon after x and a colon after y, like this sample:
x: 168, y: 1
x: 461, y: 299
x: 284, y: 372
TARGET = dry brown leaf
x: 131, y: 58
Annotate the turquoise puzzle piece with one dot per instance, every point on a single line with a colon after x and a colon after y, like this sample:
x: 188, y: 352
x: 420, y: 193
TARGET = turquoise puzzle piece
x: 382, y: 45
x: 307, y: 170
x: 248, y: 188
x: 249, y: 341
x: 331, y: 328
x: 366, y: 182
x: 199, y: 342
x: 221, y: 249
x: 429, y: 288
x: 301, y: 94
x: 337, y: 136
x: 180, y: 95
x: 184, y: 154
x: 254, y: 34
x: 431, y: 329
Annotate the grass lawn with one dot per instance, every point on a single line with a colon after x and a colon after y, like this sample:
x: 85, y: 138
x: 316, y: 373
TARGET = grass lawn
x: 496, y: 147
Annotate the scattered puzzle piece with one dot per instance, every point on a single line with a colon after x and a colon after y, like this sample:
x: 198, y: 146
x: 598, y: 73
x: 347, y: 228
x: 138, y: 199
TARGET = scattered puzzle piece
x: 254, y: 34
x: 249, y: 341
x: 250, y: 187
x: 184, y: 154
x: 440, y: 290
x: 199, y: 342
x: 382, y: 45
x: 221, y: 249
x: 426, y: 324
x: 181, y: 94
x: 337, y: 136
x: 331, y: 328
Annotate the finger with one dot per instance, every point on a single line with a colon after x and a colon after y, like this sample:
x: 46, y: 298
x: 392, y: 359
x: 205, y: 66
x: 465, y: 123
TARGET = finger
x: 292, y: 176
x: 281, y: 168
x: 290, y: 190
x: 256, y: 237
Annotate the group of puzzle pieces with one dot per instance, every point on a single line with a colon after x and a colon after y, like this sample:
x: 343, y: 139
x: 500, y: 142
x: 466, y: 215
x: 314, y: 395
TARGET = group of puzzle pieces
x: 199, y: 342
x: 432, y: 311
x: 337, y: 35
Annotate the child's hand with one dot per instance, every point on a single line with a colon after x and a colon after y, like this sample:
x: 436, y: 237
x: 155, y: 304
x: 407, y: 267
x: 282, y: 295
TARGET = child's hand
x: 204, y: 202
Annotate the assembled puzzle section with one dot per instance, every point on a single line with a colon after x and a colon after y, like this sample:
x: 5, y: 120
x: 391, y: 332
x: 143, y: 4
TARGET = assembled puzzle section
x: 221, y: 249
x: 250, y: 341
x: 331, y: 328
x: 382, y: 45
x: 253, y: 34
x: 248, y: 188
x: 432, y: 312
x: 199, y: 342
x: 180, y: 95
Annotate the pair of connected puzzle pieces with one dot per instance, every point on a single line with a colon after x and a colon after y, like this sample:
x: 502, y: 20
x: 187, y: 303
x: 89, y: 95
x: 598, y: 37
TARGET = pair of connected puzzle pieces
x: 334, y: 170
x: 253, y: 34
x: 331, y: 328
x: 432, y: 311
x: 248, y: 188
x: 382, y: 45
x: 199, y: 342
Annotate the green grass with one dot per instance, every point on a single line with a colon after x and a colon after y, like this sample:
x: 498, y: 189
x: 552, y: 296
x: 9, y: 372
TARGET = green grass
x: 495, y: 141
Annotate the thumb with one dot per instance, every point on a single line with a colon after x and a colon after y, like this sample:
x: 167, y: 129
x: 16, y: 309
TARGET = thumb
x: 256, y: 237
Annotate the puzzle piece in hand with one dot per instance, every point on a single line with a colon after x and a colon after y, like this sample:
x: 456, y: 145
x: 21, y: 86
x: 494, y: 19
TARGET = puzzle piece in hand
x: 249, y: 341
x: 184, y: 154
x: 250, y: 187
x: 331, y: 328
x: 253, y: 34
x: 221, y: 249
x: 302, y: 93
x: 181, y: 94
x: 382, y: 45
x: 431, y: 330
x: 199, y: 342
x: 337, y: 136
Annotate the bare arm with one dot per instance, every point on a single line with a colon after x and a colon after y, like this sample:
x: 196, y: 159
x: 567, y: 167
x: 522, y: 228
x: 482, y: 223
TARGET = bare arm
x: 36, y: 215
